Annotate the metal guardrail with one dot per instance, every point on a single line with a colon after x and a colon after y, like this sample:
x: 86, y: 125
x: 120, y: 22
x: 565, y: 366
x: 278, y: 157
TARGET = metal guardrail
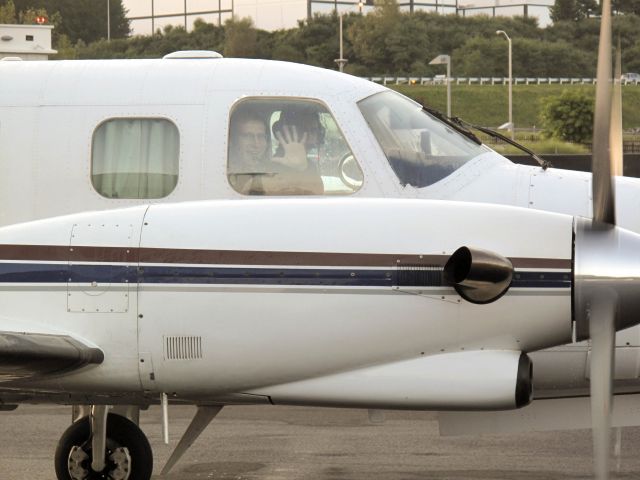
x: 628, y: 146
x: 442, y: 80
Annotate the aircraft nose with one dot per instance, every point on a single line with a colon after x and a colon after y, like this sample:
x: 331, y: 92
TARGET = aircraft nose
x: 606, y: 265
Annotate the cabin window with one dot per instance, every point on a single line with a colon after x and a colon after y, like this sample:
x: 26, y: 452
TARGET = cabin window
x: 289, y: 147
x: 135, y: 158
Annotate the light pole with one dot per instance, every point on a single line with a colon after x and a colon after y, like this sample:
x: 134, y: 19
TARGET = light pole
x: 108, y: 22
x: 341, y: 61
x: 511, y: 129
x: 441, y: 60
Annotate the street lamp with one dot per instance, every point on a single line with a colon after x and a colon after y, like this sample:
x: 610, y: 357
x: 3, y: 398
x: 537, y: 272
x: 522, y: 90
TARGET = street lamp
x: 502, y: 32
x: 442, y: 60
x: 360, y: 5
x: 341, y: 61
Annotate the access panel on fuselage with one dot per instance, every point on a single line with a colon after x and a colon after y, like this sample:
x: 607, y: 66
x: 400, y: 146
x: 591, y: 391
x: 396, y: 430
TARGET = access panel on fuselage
x: 99, y: 276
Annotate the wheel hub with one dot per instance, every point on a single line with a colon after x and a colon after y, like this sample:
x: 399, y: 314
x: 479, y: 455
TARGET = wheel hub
x: 121, y: 460
x: 118, y: 465
x: 77, y: 459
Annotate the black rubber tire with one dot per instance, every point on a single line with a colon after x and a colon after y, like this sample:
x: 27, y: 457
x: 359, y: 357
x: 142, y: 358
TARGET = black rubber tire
x: 120, y: 430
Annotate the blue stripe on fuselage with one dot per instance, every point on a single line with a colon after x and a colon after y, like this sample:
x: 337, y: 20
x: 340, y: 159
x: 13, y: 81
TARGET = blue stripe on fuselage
x: 108, y: 273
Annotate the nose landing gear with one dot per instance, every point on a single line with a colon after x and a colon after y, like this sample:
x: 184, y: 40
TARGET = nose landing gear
x: 128, y: 454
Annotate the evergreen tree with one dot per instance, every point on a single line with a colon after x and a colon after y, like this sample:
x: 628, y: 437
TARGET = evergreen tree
x: 564, y: 10
x: 8, y: 13
x: 587, y: 8
x: 241, y: 38
x: 626, y: 6
x: 84, y: 20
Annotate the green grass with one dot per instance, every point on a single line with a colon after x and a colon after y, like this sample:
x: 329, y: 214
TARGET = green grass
x: 534, y: 141
x: 488, y: 105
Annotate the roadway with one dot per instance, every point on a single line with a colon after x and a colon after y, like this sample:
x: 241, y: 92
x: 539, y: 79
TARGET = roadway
x: 287, y: 443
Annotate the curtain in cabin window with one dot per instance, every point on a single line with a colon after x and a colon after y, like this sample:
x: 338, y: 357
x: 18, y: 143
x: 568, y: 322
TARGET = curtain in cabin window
x: 135, y: 158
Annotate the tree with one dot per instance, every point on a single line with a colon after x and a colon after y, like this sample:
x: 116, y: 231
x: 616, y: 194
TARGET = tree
x: 318, y: 39
x: 564, y: 10
x: 30, y: 16
x: 568, y: 116
x: 574, y: 10
x: 240, y: 38
x: 8, y: 13
x: 631, y: 60
x: 370, y: 35
x: 286, y: 45
x: 482, y: 57
x: 82, y: 19
x: 586, y: 8
x: 390, y: 41
x: 533, y: 58
x: 408, y: 45
x: 626, y: 6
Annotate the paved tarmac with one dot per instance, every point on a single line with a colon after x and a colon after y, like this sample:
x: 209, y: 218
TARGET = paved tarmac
x: 293, y: 443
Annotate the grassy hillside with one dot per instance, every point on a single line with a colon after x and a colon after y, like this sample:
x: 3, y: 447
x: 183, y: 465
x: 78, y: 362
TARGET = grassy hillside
x: 488, y: 104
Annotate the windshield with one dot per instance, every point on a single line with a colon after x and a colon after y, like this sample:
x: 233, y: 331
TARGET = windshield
x: 421, y: 149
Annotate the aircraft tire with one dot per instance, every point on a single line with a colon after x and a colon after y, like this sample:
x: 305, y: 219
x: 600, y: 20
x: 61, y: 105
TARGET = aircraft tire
x: 121, y: 433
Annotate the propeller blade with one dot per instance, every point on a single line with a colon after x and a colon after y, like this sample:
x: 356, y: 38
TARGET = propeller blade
x: 602, y: 181
x: 602, y: 329
x: 603, y: 303
x: 615, y: 136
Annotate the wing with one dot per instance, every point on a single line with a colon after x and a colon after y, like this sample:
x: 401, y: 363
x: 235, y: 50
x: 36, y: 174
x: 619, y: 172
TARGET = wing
x: 28, y: 355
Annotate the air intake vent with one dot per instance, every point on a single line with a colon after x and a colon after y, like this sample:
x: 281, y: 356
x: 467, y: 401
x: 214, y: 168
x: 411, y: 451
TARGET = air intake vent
x: 182, y: 348
x: 419, y: 276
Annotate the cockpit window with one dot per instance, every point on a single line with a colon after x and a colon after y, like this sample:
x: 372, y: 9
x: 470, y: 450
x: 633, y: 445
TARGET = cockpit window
x: 289, y: 147
x: 420, y: 149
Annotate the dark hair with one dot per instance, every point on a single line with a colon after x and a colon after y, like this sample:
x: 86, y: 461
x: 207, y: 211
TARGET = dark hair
x: 301, y: 117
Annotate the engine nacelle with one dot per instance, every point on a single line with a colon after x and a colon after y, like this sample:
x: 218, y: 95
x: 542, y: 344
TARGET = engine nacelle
x: 474, y: 380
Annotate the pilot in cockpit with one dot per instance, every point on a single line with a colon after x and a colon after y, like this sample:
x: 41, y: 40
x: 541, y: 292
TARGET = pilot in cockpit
x: 253, y: 170
x: 300, y: 136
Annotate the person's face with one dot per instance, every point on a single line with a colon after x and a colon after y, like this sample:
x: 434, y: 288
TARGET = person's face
x: 252, y: 140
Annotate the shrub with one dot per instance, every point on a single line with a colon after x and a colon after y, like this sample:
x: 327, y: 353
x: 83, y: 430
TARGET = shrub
x: 568, y: 116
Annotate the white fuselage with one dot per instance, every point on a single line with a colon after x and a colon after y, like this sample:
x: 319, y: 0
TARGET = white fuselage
x: 257, y: 286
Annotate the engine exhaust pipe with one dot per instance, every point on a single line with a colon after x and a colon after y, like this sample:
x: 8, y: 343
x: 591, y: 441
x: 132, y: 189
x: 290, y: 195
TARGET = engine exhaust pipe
x: 479, y: 276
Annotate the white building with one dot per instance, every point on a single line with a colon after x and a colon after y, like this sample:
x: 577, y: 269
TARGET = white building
x: 29, y: 42
x: 149, y: 15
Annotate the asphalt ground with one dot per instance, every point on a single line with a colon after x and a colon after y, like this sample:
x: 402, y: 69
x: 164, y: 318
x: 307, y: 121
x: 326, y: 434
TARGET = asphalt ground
x: 287, y: 443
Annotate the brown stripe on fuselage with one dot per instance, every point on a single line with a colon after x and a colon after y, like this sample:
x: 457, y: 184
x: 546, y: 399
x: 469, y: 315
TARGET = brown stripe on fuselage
x: 241, y: 257
x: 51, y: 253
x: 58, y: 253
x: 236, y: 257
x: 564, y: 263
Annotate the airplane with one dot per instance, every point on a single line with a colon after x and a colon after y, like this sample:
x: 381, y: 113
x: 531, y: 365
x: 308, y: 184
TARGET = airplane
x: 137, y: 268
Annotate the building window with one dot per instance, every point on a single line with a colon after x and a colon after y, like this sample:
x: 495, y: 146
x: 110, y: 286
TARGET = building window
x: 286, y: 146
x: 29, y: 38
x: 135, y: 158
